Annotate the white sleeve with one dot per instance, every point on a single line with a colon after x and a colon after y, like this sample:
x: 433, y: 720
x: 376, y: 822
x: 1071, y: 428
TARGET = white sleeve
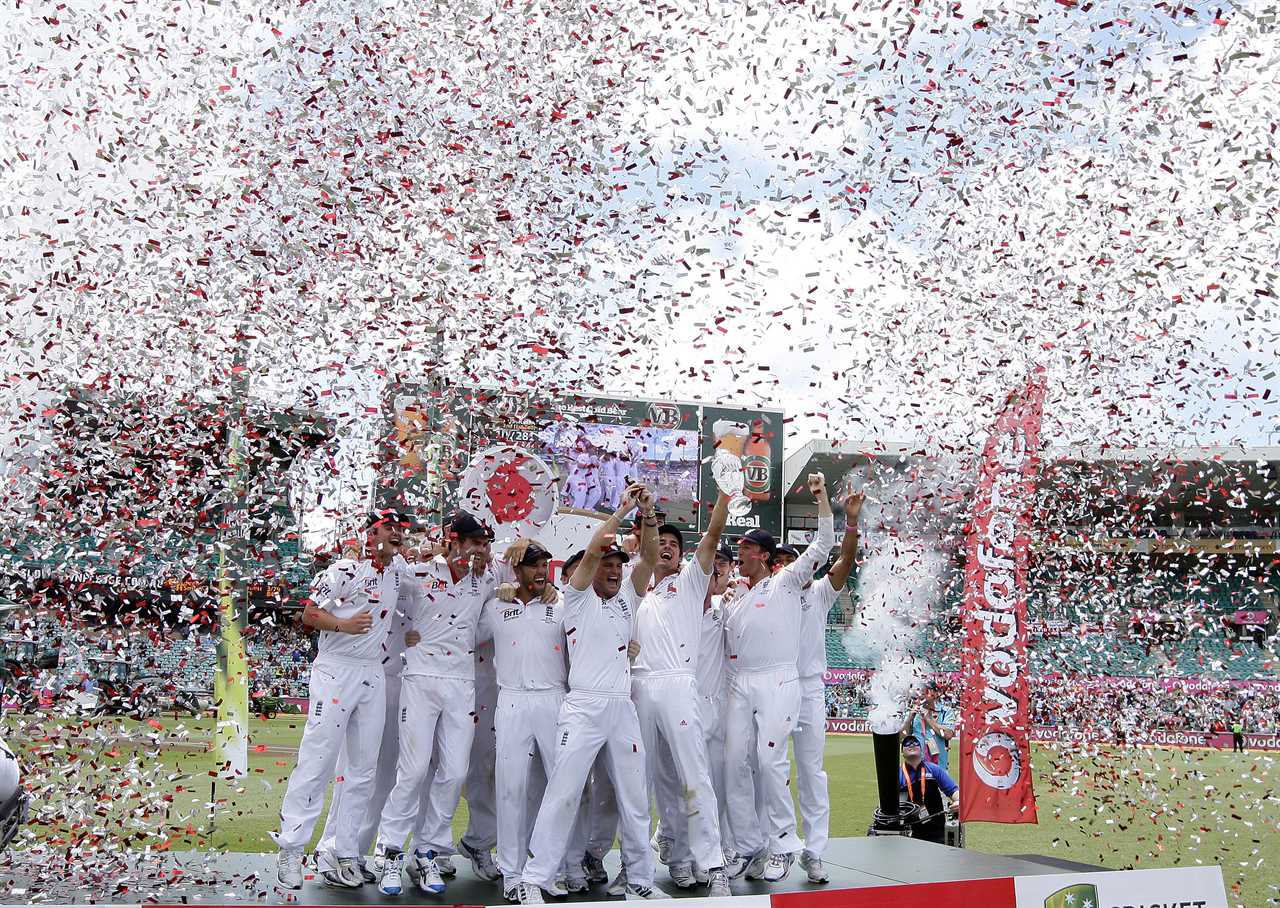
x: 694, y: 584
x: 800, y: 571
x: 334, y: 585
x: 822, y: 595
x: 575, y: 603
x: 485, y: 626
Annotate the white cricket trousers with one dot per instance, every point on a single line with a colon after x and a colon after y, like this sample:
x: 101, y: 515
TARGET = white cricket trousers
x: 809, y: 742
x: 763, y: 709
x: 670, y: 720
x: 435, y: 826
x: 384, y: 777
x: 672, y: 824
x: 346, y: 710
x: 525, y: 723
x: 588, y: 723
x: 435, y: 714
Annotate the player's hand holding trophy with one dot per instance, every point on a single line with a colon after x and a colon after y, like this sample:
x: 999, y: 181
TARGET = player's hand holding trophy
x: 726, y: 465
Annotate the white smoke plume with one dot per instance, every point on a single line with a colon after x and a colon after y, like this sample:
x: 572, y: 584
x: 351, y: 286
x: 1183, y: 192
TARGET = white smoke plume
x: 903, y: 524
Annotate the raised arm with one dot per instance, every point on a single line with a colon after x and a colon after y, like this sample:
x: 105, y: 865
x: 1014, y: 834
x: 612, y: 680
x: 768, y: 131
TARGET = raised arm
x: 643, y: 571
x: 602, y: 541
x: 839, y: 573
x: 801, y: 570
x: 711, y: 539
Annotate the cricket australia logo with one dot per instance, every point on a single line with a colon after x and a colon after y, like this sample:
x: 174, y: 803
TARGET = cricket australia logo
x: 1081, y: 895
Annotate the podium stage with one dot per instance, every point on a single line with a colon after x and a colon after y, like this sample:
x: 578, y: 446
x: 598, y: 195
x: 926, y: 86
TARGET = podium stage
x: 203, y: 878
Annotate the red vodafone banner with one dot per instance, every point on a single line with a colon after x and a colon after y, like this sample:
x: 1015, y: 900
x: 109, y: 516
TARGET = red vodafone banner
x: 995, y: 746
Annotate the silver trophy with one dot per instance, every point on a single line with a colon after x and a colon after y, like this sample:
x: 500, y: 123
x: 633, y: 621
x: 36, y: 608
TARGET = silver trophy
x: 726, y: 464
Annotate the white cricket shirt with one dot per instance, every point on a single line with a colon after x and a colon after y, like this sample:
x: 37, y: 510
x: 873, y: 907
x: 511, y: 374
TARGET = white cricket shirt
x: 446, y: 615
x: 762, y: 624
x: 669, y: 623
x: 818, y: 600
x: 598, y: 633
x: 529, y: 648
x: 347, y: 588
x: 711, y: 677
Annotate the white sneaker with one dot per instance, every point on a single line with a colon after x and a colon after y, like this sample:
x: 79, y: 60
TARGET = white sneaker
x: 755, y: 869
x: 444, y: 863
x: 812, y: 865
x: 511, y: 892
x: 576, y: 883
x: 718, y: 884
x: 661, y: 844
x: 389, y: 881
x: 682, y: 874
x: 777, y: 867
x: 481, y: 862
x: 700, y: 875
x: 428, y: 873
x: 619, y: 885
x: 635, y: 893
x: 365, y: 873
x: 558, y: 887
x: 735, y: 864
x: 593, y: 867
x: 289, y: 869
x: 343, y: 874
x: 529, y: 894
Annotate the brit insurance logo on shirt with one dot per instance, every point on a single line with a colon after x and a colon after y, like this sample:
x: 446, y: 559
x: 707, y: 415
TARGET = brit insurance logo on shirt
x: 1174, y: 887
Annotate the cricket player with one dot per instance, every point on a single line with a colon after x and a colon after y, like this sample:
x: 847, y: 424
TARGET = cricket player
x: 400, y: 637
x: 435, y: 824
x: 762, y: 640
x: 671, y: 836
x: 665, y: 690
x: 527, y: 639
x: 597, y: 713
x: 353, y: 604
x: 437, y: 698
x: 809, y: 740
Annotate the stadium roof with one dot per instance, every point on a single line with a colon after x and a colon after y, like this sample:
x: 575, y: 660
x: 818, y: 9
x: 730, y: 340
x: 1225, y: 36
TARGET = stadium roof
x: 1248, y: 474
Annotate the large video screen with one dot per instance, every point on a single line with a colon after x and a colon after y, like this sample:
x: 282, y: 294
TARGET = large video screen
x: 593, y: 446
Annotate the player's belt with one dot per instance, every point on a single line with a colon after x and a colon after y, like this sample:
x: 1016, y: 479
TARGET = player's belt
x: 637, y: 675
x: 613, y: 694
x: 327, y: 659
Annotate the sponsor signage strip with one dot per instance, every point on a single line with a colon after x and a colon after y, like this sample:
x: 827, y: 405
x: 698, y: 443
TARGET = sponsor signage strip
x: 995, y: 749
x: 1047, y: 734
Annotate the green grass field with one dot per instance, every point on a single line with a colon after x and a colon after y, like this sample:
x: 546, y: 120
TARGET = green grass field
x: 135, y: 784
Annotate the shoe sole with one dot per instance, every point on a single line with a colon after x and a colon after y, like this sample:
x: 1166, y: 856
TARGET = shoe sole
x: 390, y: 891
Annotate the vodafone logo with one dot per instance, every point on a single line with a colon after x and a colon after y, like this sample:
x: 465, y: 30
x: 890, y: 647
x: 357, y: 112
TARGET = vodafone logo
x: 996, y: 760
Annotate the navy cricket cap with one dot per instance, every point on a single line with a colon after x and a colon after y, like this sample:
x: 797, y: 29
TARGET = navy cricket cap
x: 724, y: 553
x: 388, y: 516
x: 910, y: 741
x: 762, y: 538
x: 533, y: 554
x: 463, y: 526
x: 567, y: 568
x: 786, y: 550
x: 670, y: 529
